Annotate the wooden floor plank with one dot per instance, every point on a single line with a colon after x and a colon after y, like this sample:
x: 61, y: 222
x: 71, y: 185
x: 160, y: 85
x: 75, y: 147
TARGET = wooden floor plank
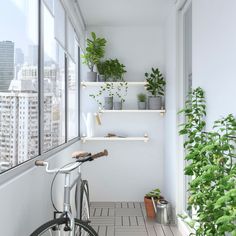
x: 118, y: 221
x: 111, y: 212
x: 175, y: 230
x: 126, y: 221
x: 110, y: 230
x: 104, y: 211
x: 131, y: 205
x: 140, y: 220
x: 158, y: 230
x: 133, y: 221
x: 98, y: 212
x: 167, y: 230
x: 102, y: 230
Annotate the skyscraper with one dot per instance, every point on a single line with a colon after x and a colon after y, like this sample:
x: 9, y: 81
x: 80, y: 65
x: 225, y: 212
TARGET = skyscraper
x: 6, y: 64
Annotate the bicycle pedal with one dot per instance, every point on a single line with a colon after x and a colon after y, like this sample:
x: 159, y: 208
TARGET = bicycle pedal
x: 67, y: 228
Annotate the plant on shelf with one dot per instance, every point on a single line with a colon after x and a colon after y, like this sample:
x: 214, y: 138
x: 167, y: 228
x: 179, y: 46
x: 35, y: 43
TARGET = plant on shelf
x: 107, y: 91
x: 211, y: 165
x: 155, y: 195
x: 120, y: 94
x: 155, y: 85
x: 95, y: 50
x: 112, y: 70
x: 142, y: 101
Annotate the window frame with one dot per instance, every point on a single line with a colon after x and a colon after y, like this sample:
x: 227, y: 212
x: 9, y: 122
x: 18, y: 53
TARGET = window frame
x: 24, y: 167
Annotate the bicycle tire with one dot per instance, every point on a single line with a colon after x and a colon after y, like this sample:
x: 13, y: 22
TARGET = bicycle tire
x: 44, y: 230
x: 84, y: 201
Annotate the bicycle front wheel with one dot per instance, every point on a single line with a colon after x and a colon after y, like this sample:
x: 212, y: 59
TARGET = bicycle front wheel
x: 58, y: 227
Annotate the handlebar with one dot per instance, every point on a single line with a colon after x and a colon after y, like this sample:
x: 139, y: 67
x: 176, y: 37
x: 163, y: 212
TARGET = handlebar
x: 80, y: 156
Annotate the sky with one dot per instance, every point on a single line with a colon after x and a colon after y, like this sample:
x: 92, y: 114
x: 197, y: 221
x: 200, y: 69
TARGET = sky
x: 18, y: 22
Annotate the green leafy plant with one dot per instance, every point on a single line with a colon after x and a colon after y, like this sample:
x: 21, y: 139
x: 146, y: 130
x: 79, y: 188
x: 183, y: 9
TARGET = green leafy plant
x: 95, y: 50
x: 210, y: 157
x: 142, y: 97
x: 112, y: 69
x: 156, y: 193
x: 121, y: 91
x: 155, y: 82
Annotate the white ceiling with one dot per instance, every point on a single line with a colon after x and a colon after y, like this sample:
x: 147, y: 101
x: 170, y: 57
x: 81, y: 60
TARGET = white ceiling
x: 124, y: 12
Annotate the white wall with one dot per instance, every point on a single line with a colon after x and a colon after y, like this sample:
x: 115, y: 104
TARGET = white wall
x: 132, y: 168
x: 214, y: 55
x: 25, y: 200
x: 170, y: 127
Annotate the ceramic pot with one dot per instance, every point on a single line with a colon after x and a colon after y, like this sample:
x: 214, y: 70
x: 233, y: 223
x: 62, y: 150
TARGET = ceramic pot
x: 91, y: 76
x: 141, y: 105
x: 117, y: 105
x: 154, y: 103
x: 108, y: 103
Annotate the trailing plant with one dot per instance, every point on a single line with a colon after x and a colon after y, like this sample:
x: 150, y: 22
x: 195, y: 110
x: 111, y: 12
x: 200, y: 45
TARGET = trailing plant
x: 95, y: 50
x: 142, y: 97
x: 112, y: 69
x: 155, y: 82
x: 108, y: 89
x: 210, y: 157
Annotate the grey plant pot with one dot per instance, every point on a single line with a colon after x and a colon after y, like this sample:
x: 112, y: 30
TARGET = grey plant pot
x: 141, y: 105
x: 117, y: 105
x: 154, y: 103
x: 91, y: 76
x: 101, y: 78
x: 108, y: 103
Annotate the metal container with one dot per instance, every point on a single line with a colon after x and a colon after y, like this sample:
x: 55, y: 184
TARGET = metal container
x: 162, y: 209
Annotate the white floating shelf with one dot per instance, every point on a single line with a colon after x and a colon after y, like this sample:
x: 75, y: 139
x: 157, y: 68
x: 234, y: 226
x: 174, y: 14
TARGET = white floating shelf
x: 96, y: 84
x: 144, y: 139
x: 130, y: 111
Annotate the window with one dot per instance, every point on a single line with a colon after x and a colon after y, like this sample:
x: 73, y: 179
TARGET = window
x: 20, y: 93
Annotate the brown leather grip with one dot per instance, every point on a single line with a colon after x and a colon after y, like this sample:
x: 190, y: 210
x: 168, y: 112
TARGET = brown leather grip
x: 39, y: 163
x: 80, y: 154
x: 100, y: 154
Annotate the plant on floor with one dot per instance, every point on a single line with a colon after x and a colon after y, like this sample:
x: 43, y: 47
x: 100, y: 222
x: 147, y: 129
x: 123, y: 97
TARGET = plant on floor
x: 210, y: 161
x: 155, y: 195
x: 95, y: 50
x: 156, y: 86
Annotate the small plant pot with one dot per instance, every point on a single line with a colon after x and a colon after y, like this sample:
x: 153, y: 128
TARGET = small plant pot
x: 91, y: 76
x: 108, y: 103
x: 141, y: 105
x: 101, y: 78
x: 149, y: 208
x: 154, y: 103
x: 117, y: 105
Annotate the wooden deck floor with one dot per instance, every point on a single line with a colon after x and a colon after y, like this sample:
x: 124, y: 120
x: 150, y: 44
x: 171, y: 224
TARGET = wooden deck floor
x: 126, y: 219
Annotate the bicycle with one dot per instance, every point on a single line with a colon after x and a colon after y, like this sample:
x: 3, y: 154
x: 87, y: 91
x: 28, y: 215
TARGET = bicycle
x: 66, y: 225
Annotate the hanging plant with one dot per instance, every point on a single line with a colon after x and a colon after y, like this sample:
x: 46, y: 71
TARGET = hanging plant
x: 211, y: 164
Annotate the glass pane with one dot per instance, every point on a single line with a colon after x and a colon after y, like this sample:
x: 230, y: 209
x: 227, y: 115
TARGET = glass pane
x: 18, y: 82
x: 54, y: 87
x: 73, y: 98
x: 50, y: 5
x: 71, y: 39
x: 60, y: 23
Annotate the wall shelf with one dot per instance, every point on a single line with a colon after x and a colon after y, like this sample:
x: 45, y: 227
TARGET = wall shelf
x: 135, y: 111
x: 86, y: 139
x: 85, y: 84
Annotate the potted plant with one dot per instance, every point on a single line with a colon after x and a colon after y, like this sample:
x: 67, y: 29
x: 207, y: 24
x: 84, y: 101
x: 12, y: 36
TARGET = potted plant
x: 95, y: 50
x: 155, y: 85
x: 120, y: 93
x: 112, y: 70
x: 107, y: 90
x: 142, y: 101
x: 156, y: 195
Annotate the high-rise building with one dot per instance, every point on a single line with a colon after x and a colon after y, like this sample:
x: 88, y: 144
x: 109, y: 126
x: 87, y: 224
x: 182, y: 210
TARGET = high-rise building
x: 33, y: 55
x: 19, y: 123
x: 19, y: 57
x: 6, y: 64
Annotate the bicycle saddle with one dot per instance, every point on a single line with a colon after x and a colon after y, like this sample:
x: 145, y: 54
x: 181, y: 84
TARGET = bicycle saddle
x: 79, y: 154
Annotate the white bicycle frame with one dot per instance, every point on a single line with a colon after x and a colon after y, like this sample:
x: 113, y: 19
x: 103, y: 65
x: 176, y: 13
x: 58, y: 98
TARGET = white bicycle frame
x: 68, y: 186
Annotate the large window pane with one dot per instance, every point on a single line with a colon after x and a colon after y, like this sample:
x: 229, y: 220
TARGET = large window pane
x: 54, y: 86
x: 18, y: 82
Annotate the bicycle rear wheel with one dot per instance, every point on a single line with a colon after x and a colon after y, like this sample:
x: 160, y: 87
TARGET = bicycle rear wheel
x: 57, y: 228
x: 84, y: 201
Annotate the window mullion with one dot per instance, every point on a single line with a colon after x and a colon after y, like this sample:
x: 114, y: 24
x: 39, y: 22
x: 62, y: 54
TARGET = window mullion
x: 41, y: 79
x: 66, y: 99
